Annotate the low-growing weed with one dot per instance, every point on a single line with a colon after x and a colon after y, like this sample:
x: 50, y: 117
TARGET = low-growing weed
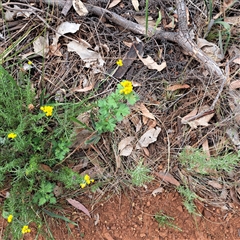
x: 197, y: 160
x: 36, y: 136
x: 140, y: 175
x: 189, y: 198
x: 165, y: 221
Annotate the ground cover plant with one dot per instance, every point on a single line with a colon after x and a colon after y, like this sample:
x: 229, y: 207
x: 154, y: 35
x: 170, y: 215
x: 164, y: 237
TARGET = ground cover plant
x: 90, y: 105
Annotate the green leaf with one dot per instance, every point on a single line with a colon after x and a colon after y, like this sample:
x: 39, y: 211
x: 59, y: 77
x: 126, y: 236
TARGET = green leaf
x: 52, y: 200
x: 42, y: 201
x: 59, y: 216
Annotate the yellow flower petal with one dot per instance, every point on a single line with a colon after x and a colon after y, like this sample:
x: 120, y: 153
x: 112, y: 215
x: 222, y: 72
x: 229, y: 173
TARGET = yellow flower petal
x: 119, y: 62
x: 10, y: 218
x: 12, y: 135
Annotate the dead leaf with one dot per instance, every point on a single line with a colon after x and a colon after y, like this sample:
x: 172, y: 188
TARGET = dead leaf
x: 151, y: 123
x: 125, y: 147
x: 135, y: 4
x: 58, y: 191
x: 45, y: 167
x: 232, y: 133
x: 136, y: 122
x: 211, y: 49
x: 63, y: 28
x: 145, y: 112
x: 142, y: 21
x: 80, y: 89
x: 114, y: 3
x: 171, y: 24
x: 232, y: 20
x: 205, y: 148
x: 215, y: 184
x: 157, y: 190
x: 18, y: 12
x: 136, y: 84
x: 146, y: 152
x: 177, y: 87
x: 80, y: 8
x: 79, y: 206
x: 85, y: 54
x: 237, y: 60
x: 151, y: 64
x: 148, y: 137
x: 167, y: 177
x: 203, y: 121
x: 41, y: 46
x: 227, y: 4
x: 234, y: 85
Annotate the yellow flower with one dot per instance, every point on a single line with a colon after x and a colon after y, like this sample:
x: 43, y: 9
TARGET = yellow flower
x: 10, y: 218
x: 119, y: 62
x: 127, y: 87
x: 12, y: 135
x: 26, y: 229
x: 83, y: 185
x: 87, y: 179
x: 30, y: 62
x: 47, y: 110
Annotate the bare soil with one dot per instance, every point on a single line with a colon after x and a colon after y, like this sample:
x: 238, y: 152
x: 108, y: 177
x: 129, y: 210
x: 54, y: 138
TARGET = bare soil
x: 131, y: 216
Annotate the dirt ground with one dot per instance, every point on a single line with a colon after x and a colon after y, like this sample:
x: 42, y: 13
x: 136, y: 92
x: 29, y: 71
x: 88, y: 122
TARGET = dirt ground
x: 131, y: 216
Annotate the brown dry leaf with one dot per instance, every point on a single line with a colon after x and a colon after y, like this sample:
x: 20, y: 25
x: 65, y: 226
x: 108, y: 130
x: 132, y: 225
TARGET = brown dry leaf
x: 114, y: 3
x: 142, y: 21
x: 136, y: 84
x: 205, y: 148
x: 80, y: 8
x: 151, y: 123
x: 167, y: 177
x: 41, y: 46
x: 234, y: 85
x: 189, y: 115
x: 45, y: 168
x: 63, y: 28
x: 145, y: 120
x: 125, y: 147
x: 227, y: 4
x: 157, y: 190
x: 203, y: 121
x: 177, y: 87
x: 136, y: 122
x: 146, y: 152
x: 57, y: 191
x: 232, y: 20
x: 215, y: 184
x: 171, y: 24
x: 135, y: 4
x: 148, y: 137
x: 151, y: 64
x: 211, y: 49
x: 80, y: 89
x: 88, y: 56
x: 145, y: 112
x: 237, y: 60
x: 79, y: 206
x: 18, y: 12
